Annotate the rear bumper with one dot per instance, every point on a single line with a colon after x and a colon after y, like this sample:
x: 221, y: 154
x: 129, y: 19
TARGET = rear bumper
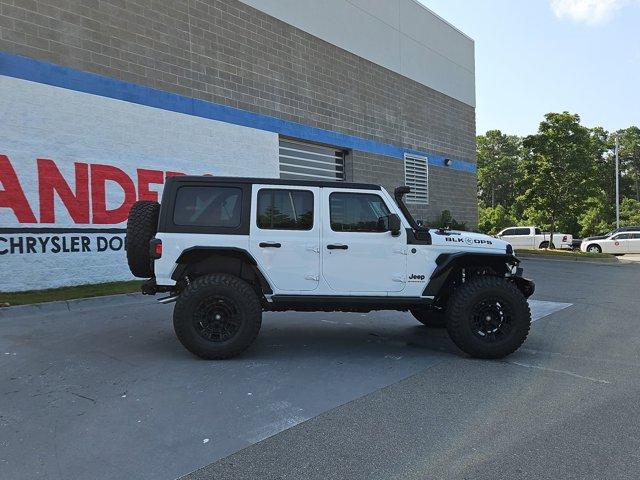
x: 150, y: 287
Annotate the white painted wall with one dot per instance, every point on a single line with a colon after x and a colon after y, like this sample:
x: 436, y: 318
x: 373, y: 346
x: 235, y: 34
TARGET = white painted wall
x: 401, y: 35
x: 43, y: 122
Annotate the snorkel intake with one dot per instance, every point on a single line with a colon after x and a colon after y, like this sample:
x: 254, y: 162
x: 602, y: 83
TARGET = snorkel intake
x: 421, y: 232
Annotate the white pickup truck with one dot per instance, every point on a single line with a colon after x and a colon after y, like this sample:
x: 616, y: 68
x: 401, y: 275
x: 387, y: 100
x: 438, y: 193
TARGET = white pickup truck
x: 533, y: 237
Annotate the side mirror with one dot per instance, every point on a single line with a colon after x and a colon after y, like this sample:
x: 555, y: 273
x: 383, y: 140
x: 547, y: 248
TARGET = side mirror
x: 390, y: 223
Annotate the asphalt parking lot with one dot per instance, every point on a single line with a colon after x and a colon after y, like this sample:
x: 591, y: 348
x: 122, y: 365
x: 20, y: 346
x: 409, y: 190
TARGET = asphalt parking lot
x: 104, y: 390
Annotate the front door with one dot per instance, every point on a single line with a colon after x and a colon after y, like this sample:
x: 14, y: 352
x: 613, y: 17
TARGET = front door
x: 516, y: 238
x: 285, y: 236
x: 356, y: 256
x: 618, y: 245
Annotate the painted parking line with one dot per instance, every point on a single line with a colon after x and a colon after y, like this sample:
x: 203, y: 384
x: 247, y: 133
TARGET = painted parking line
x: 541, y: 308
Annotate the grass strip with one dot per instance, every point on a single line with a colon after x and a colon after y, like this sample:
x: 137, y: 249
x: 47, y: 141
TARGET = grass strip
x: 564, y: 253
x: 68, y: 293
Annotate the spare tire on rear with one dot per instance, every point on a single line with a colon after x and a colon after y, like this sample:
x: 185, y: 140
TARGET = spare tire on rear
x: 142, y: 226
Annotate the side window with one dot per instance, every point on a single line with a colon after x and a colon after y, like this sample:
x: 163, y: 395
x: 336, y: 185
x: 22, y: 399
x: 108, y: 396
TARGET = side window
x: 538, y: 231
x: 356, y: 212
x: 635, y: 236
x: 509, y: 231
x: 285, y: 209
x: 208, y: 206
x: 522, y: 231
x: 622, y: 236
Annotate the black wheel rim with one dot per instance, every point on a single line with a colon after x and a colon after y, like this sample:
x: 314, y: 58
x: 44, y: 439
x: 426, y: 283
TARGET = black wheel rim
x: 491, y: 320
x: 217, y: 319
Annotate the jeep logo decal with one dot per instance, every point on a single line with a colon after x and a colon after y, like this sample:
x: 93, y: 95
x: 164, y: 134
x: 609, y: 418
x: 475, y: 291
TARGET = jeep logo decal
x: 416, y: 278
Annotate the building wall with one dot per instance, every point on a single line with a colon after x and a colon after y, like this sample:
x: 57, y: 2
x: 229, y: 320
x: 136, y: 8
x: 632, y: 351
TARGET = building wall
x: 400, y: 35
x: 110, y: 153
x: 231, y: 54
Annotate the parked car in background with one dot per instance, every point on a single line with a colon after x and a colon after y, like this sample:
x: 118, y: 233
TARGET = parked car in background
x: 635, y: 228
x: 533, y: 237
x: 618, y: 243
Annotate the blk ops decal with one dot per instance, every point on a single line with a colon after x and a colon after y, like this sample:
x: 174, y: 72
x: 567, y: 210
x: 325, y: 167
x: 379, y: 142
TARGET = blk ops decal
x: 469, y: 240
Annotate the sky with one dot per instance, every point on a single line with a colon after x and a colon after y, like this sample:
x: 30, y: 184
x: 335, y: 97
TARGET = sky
x: 539, y: 56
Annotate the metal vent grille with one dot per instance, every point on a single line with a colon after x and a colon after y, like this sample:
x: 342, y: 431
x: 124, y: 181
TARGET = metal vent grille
x: 304, y: 161
x: 416, y: 176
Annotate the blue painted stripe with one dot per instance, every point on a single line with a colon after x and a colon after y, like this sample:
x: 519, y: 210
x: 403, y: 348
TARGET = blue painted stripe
x: 69, y: 78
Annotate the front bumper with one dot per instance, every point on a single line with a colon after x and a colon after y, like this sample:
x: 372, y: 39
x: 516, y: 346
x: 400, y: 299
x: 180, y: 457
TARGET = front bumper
x: 525, y: 285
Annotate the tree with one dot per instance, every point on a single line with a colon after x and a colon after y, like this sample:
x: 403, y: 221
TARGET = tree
x: 446, y: 220
x: 597, y: 217
x: 493, y: 219
x: 630, y: 212
x: 498, y: 156
x: 630, y: 160
x: 558, y: 172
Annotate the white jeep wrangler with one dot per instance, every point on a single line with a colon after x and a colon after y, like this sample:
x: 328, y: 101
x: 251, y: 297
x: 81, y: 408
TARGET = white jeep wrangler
x: 227, y: 249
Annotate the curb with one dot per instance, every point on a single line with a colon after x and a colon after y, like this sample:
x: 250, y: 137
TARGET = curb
x: 60, y: 306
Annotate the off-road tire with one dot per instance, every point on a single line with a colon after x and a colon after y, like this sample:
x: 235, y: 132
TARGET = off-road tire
x: 463, y: 305
x: 545, y: 244
x: 142, y: 226
x: 235, y: 293
x: 429, y: 317
x: 594, y: 249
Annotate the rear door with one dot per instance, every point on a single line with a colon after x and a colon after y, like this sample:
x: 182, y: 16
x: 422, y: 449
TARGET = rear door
x: 356, y: 255
x: 285, y: 236
x: 634, y: 243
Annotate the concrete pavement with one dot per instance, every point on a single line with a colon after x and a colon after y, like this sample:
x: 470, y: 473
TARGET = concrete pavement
x: 104, y: 392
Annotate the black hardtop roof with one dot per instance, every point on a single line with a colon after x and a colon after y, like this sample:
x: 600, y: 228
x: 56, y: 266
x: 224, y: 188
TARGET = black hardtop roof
x: 272, y: 181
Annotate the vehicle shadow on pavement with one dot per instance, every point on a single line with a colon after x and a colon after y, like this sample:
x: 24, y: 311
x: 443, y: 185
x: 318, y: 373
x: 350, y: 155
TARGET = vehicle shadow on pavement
x: 370, y: 335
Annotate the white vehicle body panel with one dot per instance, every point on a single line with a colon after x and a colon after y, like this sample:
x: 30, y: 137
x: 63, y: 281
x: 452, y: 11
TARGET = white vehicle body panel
x: 375, y: 264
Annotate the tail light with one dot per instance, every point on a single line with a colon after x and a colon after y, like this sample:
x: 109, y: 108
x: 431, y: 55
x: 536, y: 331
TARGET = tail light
x: 155, y: 248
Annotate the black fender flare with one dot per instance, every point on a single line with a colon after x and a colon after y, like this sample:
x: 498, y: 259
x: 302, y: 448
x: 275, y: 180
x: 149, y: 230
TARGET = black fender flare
x: 233, y: 260
x: 447, y: 264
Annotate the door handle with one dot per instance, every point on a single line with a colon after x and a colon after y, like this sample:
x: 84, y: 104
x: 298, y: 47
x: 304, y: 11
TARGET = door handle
x: 337, y: 247
x: 270, y: 245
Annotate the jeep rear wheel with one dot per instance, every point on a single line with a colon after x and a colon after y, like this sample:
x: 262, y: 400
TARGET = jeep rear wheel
x: 488, y: 317
x: 142, y: 225
x: 217, y: 316
x: 430, y: 317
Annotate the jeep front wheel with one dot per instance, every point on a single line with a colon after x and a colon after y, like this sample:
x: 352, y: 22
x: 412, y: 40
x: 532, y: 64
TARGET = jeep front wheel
x: 430, y: 317
x: 217, y: 316
x: 488, y: 317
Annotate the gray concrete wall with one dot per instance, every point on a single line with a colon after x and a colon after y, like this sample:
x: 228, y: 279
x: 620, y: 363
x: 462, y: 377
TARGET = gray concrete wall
x: 230, y: 53
x: 401, y: 35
